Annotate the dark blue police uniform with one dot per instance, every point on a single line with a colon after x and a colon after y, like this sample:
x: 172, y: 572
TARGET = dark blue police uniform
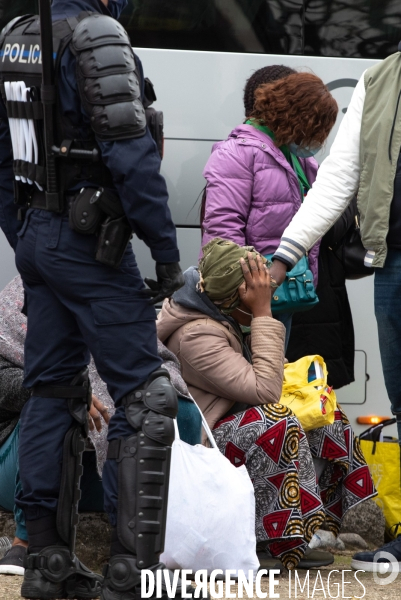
x: 76, y: 306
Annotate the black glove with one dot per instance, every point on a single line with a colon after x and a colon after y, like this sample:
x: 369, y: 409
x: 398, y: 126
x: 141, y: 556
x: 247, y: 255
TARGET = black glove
x: 169, y: 280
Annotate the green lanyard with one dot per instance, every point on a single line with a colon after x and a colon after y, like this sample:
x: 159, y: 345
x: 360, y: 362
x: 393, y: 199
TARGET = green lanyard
x: 291, y: 158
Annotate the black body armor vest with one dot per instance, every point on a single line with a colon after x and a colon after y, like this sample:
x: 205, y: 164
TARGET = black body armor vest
x: 20, y: 82
x: 109, y: 88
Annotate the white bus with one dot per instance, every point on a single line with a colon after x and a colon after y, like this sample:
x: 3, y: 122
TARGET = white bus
x: 198, y: 54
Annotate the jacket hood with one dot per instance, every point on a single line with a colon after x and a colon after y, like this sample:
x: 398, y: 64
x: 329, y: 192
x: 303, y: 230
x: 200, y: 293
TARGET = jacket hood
x: 188, y: 304
x: 114, y: 9
x: 191, y: 297
x: 258, y: 137
x: 252, y: 133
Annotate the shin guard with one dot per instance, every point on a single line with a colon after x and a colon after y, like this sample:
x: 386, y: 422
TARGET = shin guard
x: 79, y: 397
x: 144, y: 468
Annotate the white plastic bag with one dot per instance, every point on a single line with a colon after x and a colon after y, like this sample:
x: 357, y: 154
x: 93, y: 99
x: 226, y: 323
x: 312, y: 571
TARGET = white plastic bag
x: 211, y: 511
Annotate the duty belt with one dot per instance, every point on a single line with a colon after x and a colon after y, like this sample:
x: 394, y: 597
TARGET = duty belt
x: 38, y: 200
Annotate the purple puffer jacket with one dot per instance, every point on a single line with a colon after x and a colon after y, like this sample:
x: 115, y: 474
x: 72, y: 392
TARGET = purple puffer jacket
x: 252, y: 192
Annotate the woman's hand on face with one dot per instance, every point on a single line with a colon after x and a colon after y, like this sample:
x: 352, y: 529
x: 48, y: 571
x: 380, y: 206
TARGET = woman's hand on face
x: 97, y: 412
x: 255, y: 292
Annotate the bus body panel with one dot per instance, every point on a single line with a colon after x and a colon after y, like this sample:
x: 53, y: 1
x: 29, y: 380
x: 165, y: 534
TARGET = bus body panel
x: 200, y: 94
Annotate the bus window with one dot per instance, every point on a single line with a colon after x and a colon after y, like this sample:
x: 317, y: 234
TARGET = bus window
x: 260, y: 26
x: 347, y: 28
x: 352, y: 28
x: 10, y: 9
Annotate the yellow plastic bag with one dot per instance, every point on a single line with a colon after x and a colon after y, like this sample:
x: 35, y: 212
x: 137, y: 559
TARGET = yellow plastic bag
x: 383, y: 459
x: 313, y: 407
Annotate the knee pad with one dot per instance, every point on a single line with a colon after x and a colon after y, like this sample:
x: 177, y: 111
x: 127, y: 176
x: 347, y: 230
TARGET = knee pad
x: 157, y: 395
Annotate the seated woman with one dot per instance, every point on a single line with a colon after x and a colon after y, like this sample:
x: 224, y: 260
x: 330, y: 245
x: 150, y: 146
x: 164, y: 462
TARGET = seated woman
x: 237, y: 386
x: 13, y: 396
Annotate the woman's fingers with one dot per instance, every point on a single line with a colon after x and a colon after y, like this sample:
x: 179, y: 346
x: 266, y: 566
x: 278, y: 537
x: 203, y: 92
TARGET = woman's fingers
x: 101, y: 408
x: 264, y: 271
x: 97, y: 412
x: 252, y: 264
x: 246, y: 271
x: 257, y: 272
x: 105, y: 414
x: 95, y: 416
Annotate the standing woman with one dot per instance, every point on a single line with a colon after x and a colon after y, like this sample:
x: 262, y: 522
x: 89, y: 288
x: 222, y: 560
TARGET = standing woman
x: 257, y: 178
x: 326, y: 329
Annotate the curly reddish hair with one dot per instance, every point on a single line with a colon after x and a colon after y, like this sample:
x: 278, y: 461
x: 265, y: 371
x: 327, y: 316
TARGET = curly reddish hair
x: 298, y: 109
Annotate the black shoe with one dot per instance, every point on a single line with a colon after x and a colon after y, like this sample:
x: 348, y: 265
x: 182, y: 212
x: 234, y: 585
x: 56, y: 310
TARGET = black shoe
x: 122, y: 580
x: 53, y: 573
x: 266, y: 561
x: 12, y: 562
x: 366, y: 560
x: 313, y: 559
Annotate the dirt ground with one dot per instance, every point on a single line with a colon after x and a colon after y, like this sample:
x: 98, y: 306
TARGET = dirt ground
x: 318, y: 585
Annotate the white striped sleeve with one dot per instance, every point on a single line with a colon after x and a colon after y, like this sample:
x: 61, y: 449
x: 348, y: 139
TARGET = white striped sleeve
x: 289, y: 251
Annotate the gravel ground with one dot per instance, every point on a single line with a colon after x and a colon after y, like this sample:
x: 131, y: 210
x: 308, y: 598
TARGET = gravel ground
x: 10, y: 585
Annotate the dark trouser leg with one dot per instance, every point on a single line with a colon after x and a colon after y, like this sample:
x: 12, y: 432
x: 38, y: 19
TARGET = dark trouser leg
x: 118, y: 326
x: 50, y: 442
x: 388, y: 316
x: 52, y: 568
x: 75, y: 303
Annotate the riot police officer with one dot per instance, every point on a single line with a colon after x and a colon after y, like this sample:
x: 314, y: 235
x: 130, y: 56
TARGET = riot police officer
x: 81, y: 280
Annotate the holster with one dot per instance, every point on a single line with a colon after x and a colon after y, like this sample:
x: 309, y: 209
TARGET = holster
x: 114, y: 238
x: 100, y: 211
x: 85, y: 213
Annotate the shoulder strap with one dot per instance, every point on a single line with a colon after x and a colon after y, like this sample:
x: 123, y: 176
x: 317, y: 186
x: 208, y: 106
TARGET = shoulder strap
x: 65, y: 30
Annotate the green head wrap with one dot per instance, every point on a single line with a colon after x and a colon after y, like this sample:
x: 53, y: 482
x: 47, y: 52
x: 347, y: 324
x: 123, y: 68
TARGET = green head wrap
x: 221, y: 272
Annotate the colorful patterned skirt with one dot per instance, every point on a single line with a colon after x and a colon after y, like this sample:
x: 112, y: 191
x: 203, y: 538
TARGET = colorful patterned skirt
x: 290, y: 505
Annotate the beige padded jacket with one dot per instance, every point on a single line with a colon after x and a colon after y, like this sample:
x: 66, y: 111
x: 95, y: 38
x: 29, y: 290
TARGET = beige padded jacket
x: 212, y: 364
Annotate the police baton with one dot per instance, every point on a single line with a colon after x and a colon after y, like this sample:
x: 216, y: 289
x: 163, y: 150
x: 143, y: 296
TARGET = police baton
x: 48, y: 98
x: 54, y: 200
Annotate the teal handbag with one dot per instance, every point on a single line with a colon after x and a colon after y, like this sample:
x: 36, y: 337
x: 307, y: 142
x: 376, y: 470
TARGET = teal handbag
x: 297, y: 292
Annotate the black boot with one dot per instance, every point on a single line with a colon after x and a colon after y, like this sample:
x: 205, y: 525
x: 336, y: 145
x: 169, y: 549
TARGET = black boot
x: 54, y: 573
x: 122, y: 580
